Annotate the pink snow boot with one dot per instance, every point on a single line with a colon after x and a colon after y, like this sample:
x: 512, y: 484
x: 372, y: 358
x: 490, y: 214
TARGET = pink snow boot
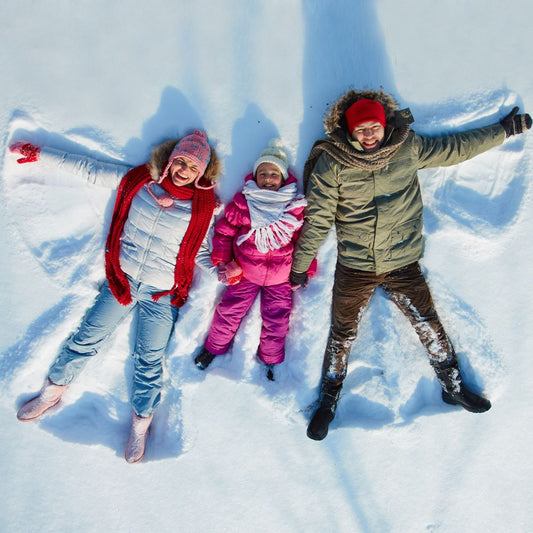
x: 48, y: 397
x: 137, y: 442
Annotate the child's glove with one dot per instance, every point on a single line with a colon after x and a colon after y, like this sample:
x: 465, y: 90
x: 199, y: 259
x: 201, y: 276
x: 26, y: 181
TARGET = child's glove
x: 229, y: 273
x: 28, y: 150
x: 233, y: 273
x: 514, y: 123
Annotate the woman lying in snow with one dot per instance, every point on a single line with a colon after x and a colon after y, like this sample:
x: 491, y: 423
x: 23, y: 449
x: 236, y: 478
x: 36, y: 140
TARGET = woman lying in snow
x: 158, y: 231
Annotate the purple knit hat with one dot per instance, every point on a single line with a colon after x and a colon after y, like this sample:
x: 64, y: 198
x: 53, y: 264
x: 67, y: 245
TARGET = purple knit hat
x: 194, y: 147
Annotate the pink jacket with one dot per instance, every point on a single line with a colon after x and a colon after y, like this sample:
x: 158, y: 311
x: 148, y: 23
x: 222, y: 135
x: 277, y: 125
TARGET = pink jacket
x: 271, y: 268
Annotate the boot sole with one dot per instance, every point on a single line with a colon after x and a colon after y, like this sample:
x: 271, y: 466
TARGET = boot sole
x: 314, y: 436
x: 320, y: 435
x: 136, y: 460
x: 202, y: 366
x: 144, y: 449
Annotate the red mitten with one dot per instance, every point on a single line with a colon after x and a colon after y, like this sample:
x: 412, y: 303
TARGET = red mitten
x: 28, y: 150
x: 233, y: 273
x: 311, y: 271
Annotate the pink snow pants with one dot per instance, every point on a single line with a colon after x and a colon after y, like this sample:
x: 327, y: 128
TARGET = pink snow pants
x: 276, y: 305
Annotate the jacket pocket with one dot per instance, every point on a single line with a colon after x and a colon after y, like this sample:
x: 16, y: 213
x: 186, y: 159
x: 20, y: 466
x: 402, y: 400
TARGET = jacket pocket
x: 355, y: 244
x: 406, y: 241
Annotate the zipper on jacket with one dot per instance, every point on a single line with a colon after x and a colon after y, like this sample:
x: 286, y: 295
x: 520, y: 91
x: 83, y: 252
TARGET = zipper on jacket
x: 149, y: 240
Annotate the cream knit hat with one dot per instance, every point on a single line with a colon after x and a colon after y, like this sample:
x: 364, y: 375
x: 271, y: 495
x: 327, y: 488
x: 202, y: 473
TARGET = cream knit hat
x: 274, y: 153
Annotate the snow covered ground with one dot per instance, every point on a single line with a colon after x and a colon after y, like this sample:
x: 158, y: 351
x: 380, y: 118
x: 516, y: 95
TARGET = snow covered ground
x: 228, y: 452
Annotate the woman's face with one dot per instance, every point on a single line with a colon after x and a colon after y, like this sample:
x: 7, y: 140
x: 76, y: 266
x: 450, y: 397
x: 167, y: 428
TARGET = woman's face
x: 268, y: 176
x: 369, y: 135
x: 183, y: 171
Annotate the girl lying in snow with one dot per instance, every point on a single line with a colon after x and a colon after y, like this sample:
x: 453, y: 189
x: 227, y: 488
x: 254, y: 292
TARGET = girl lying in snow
x: 252, y: 249
x: 159, y: 228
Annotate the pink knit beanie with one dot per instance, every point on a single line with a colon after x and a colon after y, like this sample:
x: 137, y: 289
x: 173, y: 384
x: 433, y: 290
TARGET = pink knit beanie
x: 194, y: 147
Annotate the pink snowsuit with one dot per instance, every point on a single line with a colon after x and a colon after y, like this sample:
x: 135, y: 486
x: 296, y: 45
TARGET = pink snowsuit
x: 267, y: 273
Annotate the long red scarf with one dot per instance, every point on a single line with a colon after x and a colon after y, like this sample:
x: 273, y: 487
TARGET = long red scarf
x: 203, y: 205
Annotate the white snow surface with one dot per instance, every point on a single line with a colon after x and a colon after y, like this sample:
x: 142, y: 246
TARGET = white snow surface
x: 228, y: 450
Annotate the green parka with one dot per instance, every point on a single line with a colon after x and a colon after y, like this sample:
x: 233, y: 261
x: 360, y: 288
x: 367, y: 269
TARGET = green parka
x: 377, y: 212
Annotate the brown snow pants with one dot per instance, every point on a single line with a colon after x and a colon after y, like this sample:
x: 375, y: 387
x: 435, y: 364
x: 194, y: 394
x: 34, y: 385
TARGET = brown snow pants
x: 407, y: 288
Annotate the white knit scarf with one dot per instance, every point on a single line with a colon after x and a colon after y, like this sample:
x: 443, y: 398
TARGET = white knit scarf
x: 272, y: 224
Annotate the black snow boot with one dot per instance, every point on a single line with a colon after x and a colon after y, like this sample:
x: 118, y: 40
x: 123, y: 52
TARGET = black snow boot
x: 270, y: 372
x: 455, y: 392
x: 204, y: 359
x: 325, y: 413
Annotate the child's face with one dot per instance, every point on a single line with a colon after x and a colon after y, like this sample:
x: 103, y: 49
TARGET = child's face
x: 183, y: 171
x: 268, y: 176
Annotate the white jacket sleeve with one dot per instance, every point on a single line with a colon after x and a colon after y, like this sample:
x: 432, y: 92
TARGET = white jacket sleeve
x: 92, y: 170
x: 203, y: 257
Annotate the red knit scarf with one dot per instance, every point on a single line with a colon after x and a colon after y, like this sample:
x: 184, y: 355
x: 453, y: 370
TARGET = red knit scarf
x: 203, y: 204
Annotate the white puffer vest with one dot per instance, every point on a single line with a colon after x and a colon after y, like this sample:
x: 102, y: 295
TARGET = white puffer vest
x: 152, y: 235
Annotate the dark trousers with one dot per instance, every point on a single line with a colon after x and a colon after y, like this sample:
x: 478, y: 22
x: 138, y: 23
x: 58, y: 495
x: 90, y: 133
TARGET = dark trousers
x: 407, y: 288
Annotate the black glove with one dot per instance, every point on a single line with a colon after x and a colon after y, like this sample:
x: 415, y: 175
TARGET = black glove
x: 513, y: 123
x: 298, y: 279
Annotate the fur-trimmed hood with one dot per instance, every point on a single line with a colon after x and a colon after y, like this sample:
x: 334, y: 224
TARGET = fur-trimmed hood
x: 161, y: 153
x: 335, y: 118
x: 343, y: 148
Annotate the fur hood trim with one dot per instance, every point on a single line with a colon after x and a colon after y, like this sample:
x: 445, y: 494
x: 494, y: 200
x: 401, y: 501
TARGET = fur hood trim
x: 335, y: 118
x: 161, y: 153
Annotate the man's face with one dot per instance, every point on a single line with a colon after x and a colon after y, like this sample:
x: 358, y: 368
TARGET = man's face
x: 183, y: 171
x: 369, y: 135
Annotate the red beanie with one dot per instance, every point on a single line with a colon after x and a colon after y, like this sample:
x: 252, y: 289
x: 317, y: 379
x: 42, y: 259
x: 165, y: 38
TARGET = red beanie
x: 365, y: 110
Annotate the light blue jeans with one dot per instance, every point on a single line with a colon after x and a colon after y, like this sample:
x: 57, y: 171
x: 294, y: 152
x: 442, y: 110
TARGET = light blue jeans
x: 155, y: 322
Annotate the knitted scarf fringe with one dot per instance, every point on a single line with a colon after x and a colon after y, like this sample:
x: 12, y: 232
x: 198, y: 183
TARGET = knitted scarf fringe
x: 276, y: 235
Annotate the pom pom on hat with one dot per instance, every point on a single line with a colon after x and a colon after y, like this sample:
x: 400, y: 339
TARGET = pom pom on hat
x: 194, y: 147
x: 365, y: 110
x: 274, y: 153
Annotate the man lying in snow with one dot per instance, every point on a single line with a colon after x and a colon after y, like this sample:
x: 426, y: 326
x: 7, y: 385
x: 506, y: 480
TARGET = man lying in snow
x: 364, y: 179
